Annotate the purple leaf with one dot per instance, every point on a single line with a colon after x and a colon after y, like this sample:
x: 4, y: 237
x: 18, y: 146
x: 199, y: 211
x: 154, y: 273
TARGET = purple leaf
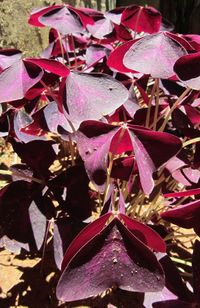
x: 187, y: 176
x: 21, y: 172
x: 22, y: 120
x: 12, y: 245
x: 112, y: 258
x: 94, y: 152
x: 152, y: 149
x: 94, y: 54
x: 65, y: 229
x: 91, y: 96
x: 64, y: 187
x: 151, y: 298
x: 38, y: 155
x: 62, y: 20
x: 101, y: 28
x: 131, y: 105
x: 115, y: 15
x: 8, y: 57
x: 196, y: 270
x: 122, y: 33
x: 173, y: 304
x: 148, y: 147
x: 145, y: 165
x: 55, y: 119
x: 180, y: 39
x: 173, y: 280
x: 38, y: 224
x: 145, y: 54
x: 17, y: 79
x: 23, y: 221
x: 181, y: 172
x: 194, y: 40
x: 14, y: 210
x: 57, y: 244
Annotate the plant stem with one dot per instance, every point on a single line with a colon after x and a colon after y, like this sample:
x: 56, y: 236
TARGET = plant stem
x: 71, y: 150
x: 100, y: 202
x: 45, y: 242
x: 177, y: 260
x: 22, y: 175
x: 61, y: 47
x: 108, y: 177
x: 67, y: 53
x: 157, y: 104
x: 140, y: 205
x: 191, y: 141
x: 74, y: 49
x: 175, y: 105
x: 149, y: 105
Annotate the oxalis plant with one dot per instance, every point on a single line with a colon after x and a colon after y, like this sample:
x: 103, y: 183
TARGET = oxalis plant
x: 106, y: 124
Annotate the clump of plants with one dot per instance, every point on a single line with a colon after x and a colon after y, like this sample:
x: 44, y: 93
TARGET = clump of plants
x: 106, y: 124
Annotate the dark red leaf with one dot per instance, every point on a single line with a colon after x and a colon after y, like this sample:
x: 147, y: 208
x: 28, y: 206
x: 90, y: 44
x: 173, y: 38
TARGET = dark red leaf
x: 186, y: 216
x: 148, y: 236
x: 141, y: 19
x: 194, y: 40
x: 193, y: 114
x: 88, y: 233
x: 85, y: 18
x: 122, y: 168
x: 36, y: 14
x: 52, y: 66
x: 160, y: 146
x: 115, y: 59
x: 187, y: 69
x: 186, y: 193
